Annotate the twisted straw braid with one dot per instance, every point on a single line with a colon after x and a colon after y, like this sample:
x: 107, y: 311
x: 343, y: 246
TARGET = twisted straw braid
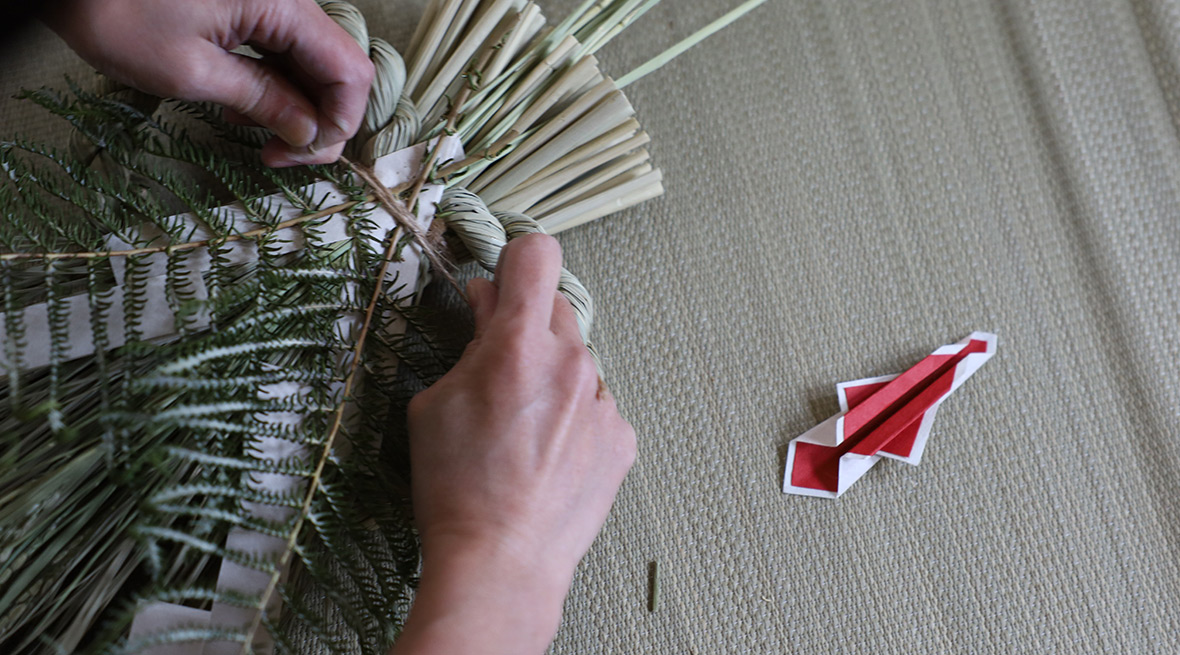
x: 485, y: 234
x: 392, y: 122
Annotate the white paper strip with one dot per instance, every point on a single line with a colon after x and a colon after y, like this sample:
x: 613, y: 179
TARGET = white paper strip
x: 158, y: 320
x: 392, y: 170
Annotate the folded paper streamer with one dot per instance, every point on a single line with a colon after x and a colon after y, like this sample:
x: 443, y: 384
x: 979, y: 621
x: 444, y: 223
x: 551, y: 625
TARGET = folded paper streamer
x: 888, y: 416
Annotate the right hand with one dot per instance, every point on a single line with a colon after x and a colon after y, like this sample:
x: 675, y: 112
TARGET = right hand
x: 517, y: 453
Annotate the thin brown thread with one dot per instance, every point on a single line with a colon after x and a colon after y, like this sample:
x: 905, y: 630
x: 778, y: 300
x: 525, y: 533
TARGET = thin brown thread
x: 401, y: 214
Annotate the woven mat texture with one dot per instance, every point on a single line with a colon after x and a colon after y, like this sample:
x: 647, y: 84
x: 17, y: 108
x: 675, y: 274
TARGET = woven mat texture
x: 851, y: 184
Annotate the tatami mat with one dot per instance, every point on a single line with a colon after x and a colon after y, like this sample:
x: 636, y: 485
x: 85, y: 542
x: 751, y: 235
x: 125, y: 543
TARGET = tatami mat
x: 849, y: 186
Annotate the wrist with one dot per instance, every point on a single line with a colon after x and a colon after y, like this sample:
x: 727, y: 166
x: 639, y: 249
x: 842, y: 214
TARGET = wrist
x: 483, y: 597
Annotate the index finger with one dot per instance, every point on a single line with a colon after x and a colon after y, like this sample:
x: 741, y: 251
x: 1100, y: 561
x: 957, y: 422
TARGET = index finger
x: 329, y: 59
x: 527, y: 276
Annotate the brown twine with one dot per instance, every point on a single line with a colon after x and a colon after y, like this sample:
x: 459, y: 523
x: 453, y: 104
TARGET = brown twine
x: 396, y: 208
x: 401, y: 212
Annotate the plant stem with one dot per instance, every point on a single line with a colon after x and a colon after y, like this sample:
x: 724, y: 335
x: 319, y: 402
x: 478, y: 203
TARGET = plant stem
x: 191, y: 245
x: 350, y: 380
x: 678, y: 49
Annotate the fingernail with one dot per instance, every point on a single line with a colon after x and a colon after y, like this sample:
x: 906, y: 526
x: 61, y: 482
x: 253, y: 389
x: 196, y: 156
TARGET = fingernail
x: 330, y: 135
x: 301, y: 158
x: 299, y: 128
x: 308, y: 129
x: 311, y: 154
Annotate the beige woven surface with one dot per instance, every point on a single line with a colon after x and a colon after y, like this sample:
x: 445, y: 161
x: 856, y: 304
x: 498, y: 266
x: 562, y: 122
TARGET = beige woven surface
x: 851, y: 184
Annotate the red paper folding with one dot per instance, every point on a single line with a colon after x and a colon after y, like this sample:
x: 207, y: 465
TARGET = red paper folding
x: 887, y: 416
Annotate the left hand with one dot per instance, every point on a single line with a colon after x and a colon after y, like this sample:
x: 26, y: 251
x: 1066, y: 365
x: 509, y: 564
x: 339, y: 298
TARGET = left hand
x: 310, y: 89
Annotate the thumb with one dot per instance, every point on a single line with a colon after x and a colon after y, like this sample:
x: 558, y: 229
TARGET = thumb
x: 483, y: 296
x: 254, y: 89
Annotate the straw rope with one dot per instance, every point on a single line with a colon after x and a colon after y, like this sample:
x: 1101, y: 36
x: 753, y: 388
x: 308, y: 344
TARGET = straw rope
x: 392, y: 120
x: 485, y: 234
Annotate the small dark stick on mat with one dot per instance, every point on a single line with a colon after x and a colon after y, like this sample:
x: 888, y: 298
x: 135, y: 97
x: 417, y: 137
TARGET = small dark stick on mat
x: 653, y: 599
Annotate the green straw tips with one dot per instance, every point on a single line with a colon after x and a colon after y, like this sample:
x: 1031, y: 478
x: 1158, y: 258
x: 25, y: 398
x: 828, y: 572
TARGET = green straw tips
x: 680, y: 48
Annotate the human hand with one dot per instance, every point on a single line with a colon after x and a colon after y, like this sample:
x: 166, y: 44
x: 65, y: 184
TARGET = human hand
x: 310, y: 89
x: 516, y: 456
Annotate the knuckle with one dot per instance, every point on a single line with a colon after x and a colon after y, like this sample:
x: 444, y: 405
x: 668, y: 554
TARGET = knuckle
x: 253, y: 102
x: 327, y: 155
x: 519, y: 341
x: 355, y: 75
x: 360, y: 72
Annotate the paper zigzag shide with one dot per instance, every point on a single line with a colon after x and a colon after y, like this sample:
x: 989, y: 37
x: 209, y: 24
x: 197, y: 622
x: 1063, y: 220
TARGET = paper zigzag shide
x: 887, y: 416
